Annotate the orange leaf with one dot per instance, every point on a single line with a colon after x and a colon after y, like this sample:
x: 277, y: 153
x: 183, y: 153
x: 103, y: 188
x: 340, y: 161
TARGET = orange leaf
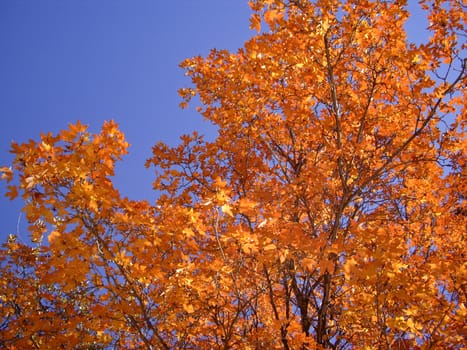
x: 53, y: 236
x: 255, y: 22
x: 270, y: 246
x: 188, y: 308
x: 7, y: 173
x: 12, y: 193
x: 272, y: 16
x: 309, y: 264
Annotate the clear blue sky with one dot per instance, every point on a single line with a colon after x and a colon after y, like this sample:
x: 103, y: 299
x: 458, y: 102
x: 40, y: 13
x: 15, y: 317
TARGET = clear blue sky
x: 93, y: 60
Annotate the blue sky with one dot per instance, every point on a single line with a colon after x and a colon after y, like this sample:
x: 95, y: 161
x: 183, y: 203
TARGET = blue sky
x: 94, y: 60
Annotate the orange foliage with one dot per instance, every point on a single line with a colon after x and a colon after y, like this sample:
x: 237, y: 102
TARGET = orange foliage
x: 329, y: 212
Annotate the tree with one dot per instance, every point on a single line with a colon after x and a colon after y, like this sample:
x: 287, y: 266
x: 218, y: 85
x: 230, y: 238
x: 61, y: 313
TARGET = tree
x: 329, y: 212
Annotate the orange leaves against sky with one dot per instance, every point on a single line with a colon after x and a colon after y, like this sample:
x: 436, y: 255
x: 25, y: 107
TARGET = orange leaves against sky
x: 329, y: 212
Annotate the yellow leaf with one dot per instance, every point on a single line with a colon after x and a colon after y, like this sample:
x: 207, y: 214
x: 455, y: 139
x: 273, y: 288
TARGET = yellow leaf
x: 46, y: 146
x: 411, y: 324
x: 416, y: 59
x: 226, y: 209
x: 188, y: 232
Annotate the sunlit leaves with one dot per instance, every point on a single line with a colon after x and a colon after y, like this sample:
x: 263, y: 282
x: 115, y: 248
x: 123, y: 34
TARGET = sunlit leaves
x: 343, y: 119
x: 329, y: 211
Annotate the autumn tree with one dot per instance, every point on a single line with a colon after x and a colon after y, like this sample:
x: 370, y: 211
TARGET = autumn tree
x: 328, y: 213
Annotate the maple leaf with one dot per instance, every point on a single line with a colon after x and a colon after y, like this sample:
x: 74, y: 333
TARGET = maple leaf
x: 271, y: 16
x: 255, y: 22
x: 12, y: 192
